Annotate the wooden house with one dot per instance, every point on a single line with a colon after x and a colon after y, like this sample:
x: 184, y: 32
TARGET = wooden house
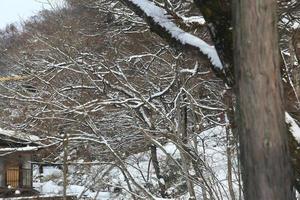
x: 16, y: 154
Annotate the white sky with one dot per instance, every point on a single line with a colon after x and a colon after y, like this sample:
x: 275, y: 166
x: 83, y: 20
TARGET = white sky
x: 12, y: 11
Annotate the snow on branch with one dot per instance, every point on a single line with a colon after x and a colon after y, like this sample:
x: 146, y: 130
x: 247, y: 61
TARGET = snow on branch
x: 294, y: 128
x: 19, y: 149
x: 158, y: 17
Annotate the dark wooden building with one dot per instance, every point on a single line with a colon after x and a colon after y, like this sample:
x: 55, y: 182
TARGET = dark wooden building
x: 16, y: 154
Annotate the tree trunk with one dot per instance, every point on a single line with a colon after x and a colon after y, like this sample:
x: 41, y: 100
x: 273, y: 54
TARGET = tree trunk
x: 182, y: 132
x: 263, y: 135
x: 65, y: 166
x: 157, y: 171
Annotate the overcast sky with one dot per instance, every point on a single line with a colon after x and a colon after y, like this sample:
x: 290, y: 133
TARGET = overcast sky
x: 12, y: 11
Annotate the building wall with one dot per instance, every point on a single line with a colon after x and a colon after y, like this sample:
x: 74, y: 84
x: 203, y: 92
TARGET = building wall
x: 22, y: 160
x: 2, y: 173
x: 27, y: 169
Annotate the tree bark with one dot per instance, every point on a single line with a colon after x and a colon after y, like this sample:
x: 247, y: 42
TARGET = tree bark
x: 182, y: 132
x: 155, y: 164
x: 262, y: 131
x: 65, y: 166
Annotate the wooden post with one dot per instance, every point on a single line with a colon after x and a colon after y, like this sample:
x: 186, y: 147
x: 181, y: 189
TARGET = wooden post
x: 21, y: 176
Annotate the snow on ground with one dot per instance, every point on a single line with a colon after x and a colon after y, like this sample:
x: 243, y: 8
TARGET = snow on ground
x: 52, y: 187
x: 51, y: 171
x: 100, y: 181
x: 171, y: 149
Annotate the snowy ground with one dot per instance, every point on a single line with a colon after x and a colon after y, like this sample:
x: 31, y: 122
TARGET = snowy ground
x: 100, y: 181
x: 52, y: 186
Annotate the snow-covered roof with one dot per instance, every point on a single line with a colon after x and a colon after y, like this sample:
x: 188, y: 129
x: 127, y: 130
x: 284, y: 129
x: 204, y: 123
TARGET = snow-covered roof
x: 16, y: 141
x: 18, y: 136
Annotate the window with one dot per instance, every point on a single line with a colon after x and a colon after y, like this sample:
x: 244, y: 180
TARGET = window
x: 13, y: 176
